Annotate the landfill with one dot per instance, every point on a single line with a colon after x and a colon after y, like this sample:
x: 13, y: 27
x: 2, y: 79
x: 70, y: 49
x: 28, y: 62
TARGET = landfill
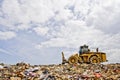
x: 25, y: 71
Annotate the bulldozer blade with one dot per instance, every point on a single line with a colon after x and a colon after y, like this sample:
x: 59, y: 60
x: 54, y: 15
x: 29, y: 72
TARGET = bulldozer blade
x: 63, y: 59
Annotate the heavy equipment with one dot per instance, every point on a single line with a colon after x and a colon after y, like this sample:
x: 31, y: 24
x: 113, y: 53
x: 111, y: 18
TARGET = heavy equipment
x: 85, y: 56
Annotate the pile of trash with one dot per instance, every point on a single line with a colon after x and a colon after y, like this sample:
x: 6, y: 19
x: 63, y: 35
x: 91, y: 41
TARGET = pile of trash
x: 24, y: 71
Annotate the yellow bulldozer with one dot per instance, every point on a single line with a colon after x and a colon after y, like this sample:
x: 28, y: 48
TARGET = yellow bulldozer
x: 85, y: 56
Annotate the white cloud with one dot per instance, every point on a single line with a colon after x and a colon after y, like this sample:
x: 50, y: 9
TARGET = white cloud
x: 39, y: 11
x: 7, y: 35
x: 73, y: 34
x: 82, y: 7
x: 105, y: 16
x: 63, y: 15
x: 22, y: 27
x: 42, y: 31
x: 29, y: 11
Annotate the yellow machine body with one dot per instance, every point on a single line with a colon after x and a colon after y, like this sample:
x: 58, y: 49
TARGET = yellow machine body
x: 88, y: 57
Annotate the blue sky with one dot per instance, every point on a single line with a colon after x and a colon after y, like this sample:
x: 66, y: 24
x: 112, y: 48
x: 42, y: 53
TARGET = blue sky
x: 37, y: 31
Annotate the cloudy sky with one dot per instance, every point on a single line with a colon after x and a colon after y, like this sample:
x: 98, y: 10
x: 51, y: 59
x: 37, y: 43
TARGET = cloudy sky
x: 37, y: 31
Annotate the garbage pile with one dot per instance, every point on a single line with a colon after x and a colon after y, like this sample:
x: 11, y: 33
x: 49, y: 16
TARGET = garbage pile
x: 24, y: 71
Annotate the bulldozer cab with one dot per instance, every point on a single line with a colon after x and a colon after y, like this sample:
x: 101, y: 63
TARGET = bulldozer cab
x: 83, y: 49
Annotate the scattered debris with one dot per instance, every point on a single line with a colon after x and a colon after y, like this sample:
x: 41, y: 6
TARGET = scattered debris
x: 23, y: 71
